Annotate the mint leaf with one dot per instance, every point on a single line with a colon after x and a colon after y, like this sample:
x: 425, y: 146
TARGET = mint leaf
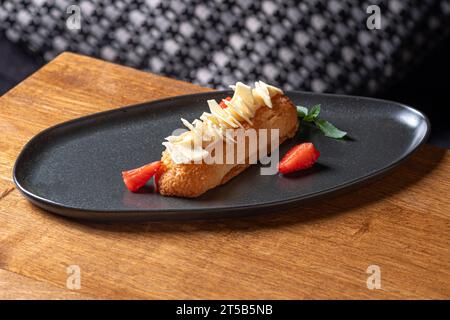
x: 313, y: 113
x: 302, y: 111
x: 329, y: 130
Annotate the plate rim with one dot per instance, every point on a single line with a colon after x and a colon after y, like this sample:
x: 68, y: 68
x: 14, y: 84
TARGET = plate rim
x: 215, y: 212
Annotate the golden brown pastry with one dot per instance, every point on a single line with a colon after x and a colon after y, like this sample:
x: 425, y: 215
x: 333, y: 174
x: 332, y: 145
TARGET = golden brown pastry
x: 185, y: 171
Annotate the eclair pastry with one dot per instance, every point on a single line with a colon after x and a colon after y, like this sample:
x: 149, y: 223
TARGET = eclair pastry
x: 184, y: 170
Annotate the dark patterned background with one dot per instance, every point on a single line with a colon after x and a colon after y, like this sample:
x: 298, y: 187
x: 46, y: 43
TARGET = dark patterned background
x: 316, y: 45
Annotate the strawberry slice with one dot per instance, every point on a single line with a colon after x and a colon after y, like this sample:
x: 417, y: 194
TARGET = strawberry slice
x: 137, y: 178
x: 222, y: 103
x: 300, y: 157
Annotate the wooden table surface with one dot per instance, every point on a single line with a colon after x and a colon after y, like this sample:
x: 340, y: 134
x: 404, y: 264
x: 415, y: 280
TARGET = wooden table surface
x: 400, y: 223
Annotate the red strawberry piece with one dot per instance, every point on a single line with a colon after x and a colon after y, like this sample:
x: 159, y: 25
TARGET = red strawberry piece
x: 222, y: 103
x: 300, y: 157
x: 137, y: 178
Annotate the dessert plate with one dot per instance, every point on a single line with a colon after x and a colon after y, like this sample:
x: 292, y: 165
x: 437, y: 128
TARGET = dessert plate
x: 74, y: 168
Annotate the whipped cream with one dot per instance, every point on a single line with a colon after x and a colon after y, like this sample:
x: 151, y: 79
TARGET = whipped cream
x: 214, y: 126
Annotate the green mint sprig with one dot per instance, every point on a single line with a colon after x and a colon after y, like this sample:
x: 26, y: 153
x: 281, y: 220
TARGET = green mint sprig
x: 312, y: 116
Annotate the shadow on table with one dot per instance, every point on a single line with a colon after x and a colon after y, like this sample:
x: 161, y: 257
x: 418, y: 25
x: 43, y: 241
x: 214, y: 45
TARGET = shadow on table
x: 406, y: 175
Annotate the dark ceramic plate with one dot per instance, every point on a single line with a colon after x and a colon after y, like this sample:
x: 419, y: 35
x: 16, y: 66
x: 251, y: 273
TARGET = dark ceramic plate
x: 74, y: 169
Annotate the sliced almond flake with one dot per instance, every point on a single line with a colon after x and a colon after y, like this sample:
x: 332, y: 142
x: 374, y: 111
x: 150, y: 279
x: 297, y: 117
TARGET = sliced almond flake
x: 216, y: 124
x: 263, y: 92
x: 244, y: 92
x: 218, y: 112
x: 239, y: 111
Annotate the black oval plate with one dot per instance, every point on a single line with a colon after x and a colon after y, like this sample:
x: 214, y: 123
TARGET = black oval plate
x: 74, y: 168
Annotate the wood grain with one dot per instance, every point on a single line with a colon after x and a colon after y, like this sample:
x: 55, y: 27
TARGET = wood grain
x: 400, y: 223
x: 15, y: 286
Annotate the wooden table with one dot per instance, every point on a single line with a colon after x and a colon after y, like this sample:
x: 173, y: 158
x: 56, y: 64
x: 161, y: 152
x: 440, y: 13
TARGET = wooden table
x: 400, y: 223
